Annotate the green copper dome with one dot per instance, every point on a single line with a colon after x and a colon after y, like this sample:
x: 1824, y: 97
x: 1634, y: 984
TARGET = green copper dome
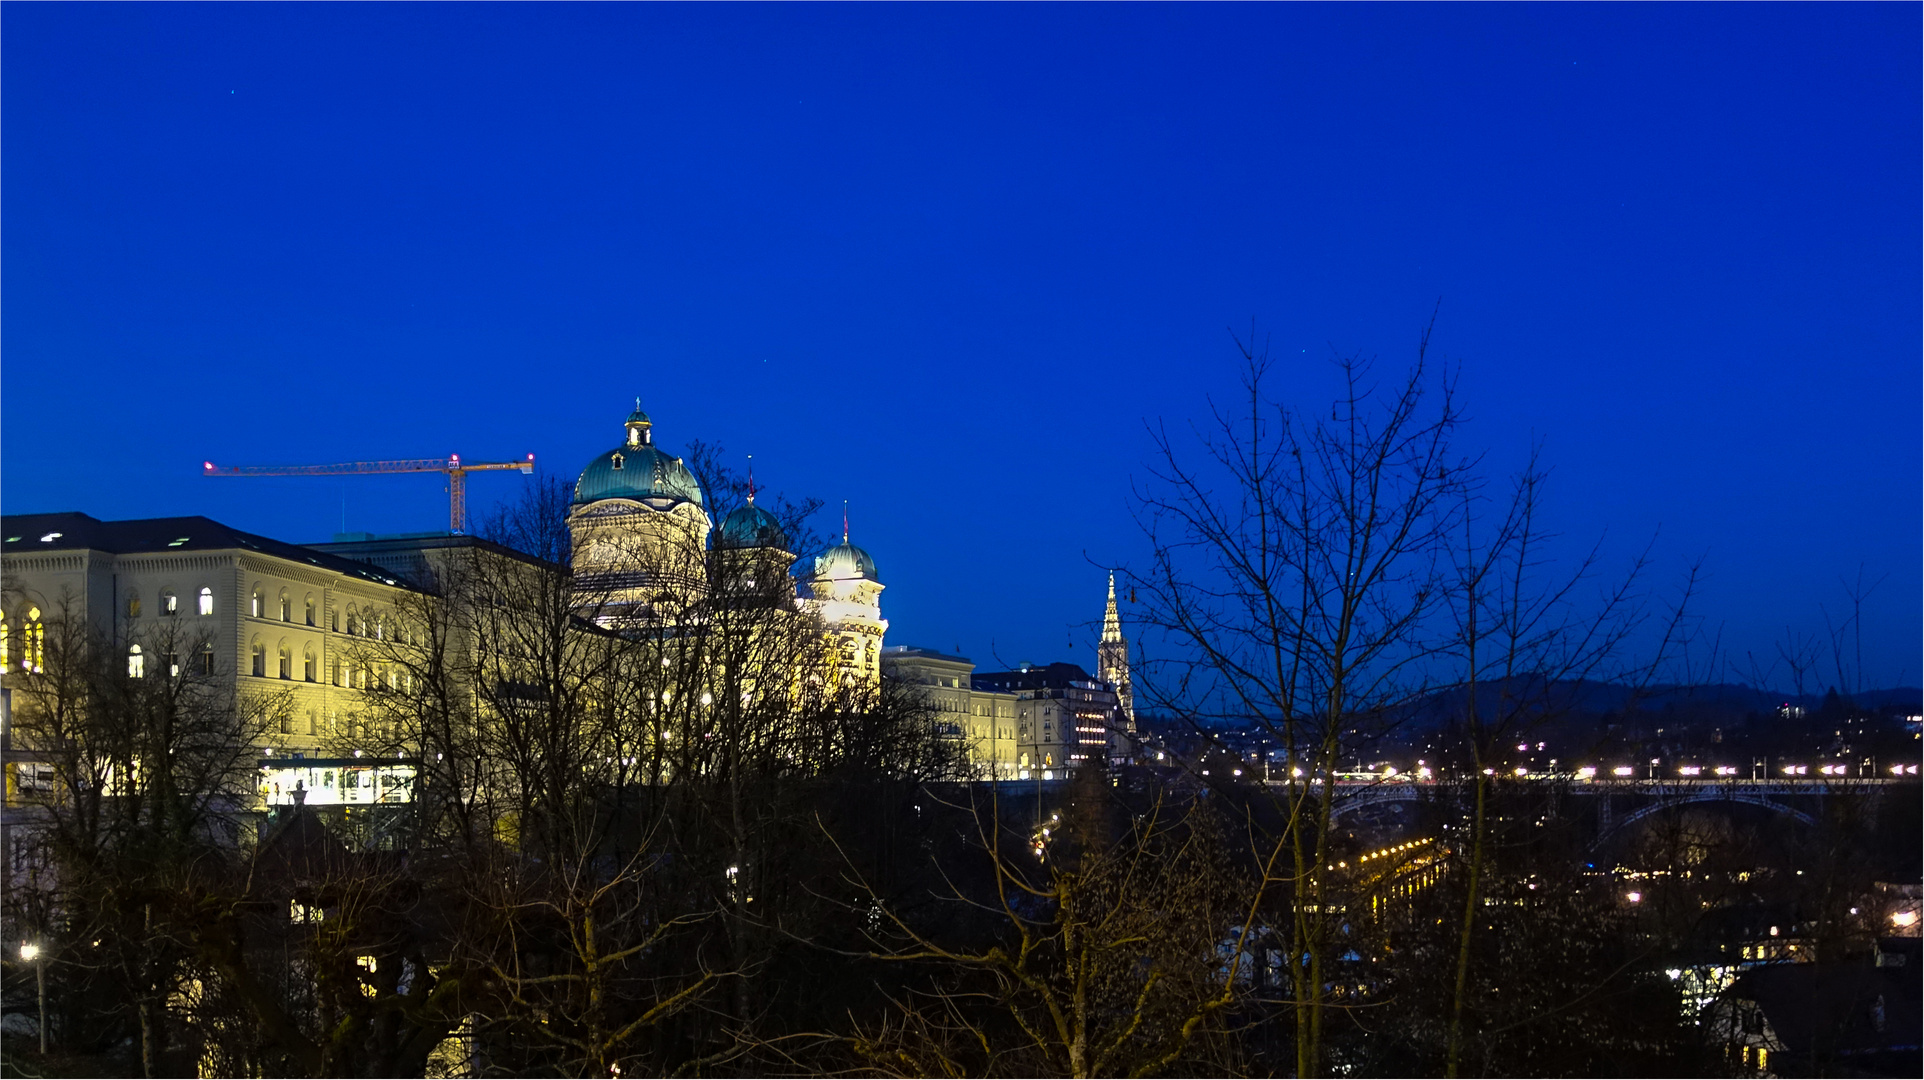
x: 637, y: 470
x: 845, y: 560
x: 750, y: 526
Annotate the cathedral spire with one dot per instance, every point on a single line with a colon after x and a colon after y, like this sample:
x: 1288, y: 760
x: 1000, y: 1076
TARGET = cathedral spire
x: 1111, y: 621
x: 1112, y: 659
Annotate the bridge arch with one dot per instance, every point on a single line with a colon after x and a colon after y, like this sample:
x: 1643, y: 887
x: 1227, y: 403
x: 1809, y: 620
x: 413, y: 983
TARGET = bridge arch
x: 1617, y: 826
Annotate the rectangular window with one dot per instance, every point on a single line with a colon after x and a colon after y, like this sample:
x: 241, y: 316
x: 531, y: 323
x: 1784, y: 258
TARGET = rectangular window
x: 172, y: 660
x: 207, y: 661
x: 170, y: 604
x: 207, y: 601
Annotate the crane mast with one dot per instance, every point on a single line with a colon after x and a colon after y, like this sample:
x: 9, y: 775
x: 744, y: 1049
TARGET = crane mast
x: 452, y: 465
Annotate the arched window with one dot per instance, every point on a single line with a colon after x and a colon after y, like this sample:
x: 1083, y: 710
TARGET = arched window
x: 287, y: 662
x: 258, y: 604
x: 34, y: 654
x: 310, y: 609
x: 310, y: 669
x: 335, y: 678
x: 206, y: 600
x: 353, y: 621
x: 334, y: 621
x: 133, y: 605
x: 169, y: 603
x: 287, y: 607
x: 313, y: 723
x: 207, y: 659
x: 136, y: 664
x: 259, y: 653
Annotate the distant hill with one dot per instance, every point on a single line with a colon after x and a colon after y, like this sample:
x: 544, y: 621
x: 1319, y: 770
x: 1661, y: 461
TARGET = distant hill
x: 1580, y: 700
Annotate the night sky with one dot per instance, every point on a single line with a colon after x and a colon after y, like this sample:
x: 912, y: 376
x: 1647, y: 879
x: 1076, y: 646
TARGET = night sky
x: 946, y: 261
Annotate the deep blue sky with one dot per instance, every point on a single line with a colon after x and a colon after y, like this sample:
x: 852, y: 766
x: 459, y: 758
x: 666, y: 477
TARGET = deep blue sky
x: 944, y: 261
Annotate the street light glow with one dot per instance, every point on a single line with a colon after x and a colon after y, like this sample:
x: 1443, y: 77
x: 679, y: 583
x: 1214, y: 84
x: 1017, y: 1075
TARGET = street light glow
x: 29, y: 951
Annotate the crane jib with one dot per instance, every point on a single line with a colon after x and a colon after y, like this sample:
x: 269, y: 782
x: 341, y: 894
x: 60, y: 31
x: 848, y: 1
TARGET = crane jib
x: 453, y: 466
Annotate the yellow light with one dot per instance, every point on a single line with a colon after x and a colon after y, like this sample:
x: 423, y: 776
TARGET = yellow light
x: 29, y: 951
x: 1901, y: 918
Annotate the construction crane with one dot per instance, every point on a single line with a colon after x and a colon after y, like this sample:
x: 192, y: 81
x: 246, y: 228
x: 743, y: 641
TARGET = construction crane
x: 456, y: 470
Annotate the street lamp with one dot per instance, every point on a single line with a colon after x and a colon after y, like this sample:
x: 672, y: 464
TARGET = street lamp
x: 31, y: 954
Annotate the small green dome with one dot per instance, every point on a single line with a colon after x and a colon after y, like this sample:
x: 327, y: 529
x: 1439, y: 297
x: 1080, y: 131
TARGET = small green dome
x: 637, y: 470
x: 750, y: 526
x: 845, y: 560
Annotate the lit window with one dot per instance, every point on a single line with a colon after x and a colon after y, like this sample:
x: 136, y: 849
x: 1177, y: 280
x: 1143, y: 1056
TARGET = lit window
x: 136, y: 664
x: 260, y: 661
x: 133, y: 607
x: 169, y: 604
x: 207, y: 659
x: 35, y: 650
x: 310, y: 609
x: 206, y: 601
x: 6, y: 644
x: 171, y: 661
x: 287, y: 607
x: 258, y: 604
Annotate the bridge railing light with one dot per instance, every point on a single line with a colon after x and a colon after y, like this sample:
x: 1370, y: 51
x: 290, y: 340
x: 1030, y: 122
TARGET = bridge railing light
x: 1622, y: 770
x: 1587, y: 772
x: 1726, y: 770
x: 1691, y: 770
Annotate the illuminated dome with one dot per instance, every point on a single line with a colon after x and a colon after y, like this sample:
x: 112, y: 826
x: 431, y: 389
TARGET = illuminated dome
x: 637, y: 470
x: 750, y: 526
x: 845, y: 560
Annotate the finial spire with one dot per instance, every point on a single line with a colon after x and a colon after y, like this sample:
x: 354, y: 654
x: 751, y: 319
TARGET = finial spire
x: 844, y: 521
x: 751, y: 479
x: 1111, y: 619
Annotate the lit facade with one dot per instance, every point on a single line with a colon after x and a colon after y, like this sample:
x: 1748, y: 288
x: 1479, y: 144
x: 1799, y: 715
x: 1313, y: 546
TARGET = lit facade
x: 984, y: 719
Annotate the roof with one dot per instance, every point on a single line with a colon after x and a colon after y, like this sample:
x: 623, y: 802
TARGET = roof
x: 405, y: 554
x: 1056, y: 676
x: 22, y: 534
x: 916, y: 652
x: 1834, y: 1008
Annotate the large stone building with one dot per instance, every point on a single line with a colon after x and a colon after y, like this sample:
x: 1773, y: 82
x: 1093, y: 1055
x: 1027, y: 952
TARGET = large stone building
x: 165, y: 594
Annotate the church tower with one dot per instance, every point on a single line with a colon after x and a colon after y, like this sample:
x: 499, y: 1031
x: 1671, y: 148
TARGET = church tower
x: 845, y: 592
x: 1112, y: 660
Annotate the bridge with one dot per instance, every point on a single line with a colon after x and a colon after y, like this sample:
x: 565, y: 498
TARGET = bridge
x: 1654, y: 795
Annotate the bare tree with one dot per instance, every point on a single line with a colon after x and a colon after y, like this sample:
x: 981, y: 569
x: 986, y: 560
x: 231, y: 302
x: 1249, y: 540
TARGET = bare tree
x: 1296, y: 564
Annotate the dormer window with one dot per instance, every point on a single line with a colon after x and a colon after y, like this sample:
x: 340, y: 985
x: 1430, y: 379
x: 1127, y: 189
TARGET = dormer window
x: 617, y: 458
